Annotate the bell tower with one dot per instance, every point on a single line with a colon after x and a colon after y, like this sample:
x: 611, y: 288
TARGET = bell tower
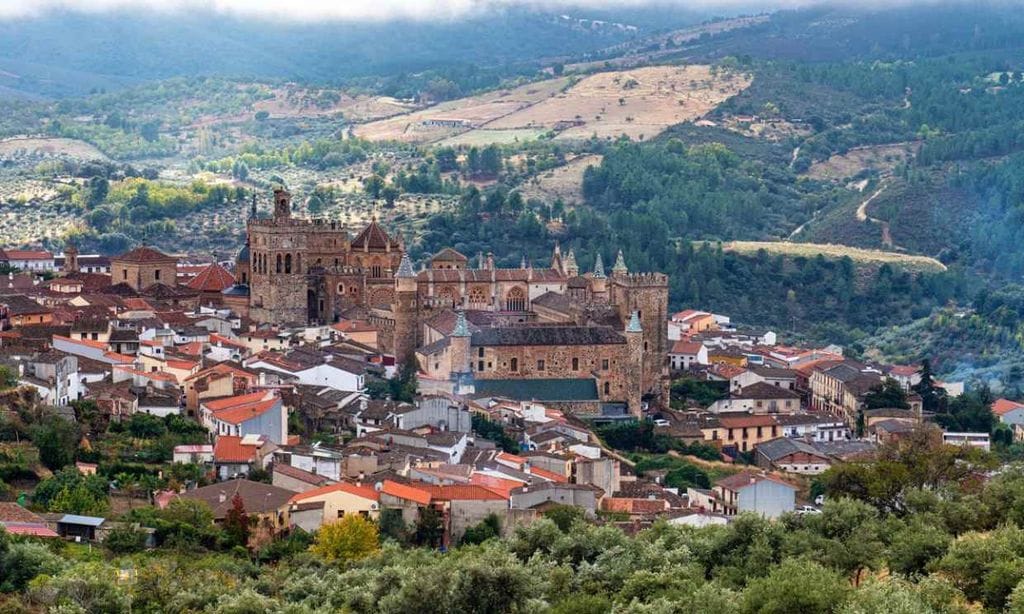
x: 282, y: 204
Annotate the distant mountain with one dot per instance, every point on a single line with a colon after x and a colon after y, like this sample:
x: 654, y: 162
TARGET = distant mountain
x: 66, y: 54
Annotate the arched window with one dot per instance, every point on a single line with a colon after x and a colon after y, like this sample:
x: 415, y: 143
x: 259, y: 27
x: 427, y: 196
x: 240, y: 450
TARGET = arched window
x: 287, y: 263
x: 298, y: 263
x: 279, y: 263
x: 477, y: 296
x: 341, y: 288
x: 515, y: 300
x: 607, y: 388
x: 513, y: 365
x: 575, y: 364
x: 449, y: 295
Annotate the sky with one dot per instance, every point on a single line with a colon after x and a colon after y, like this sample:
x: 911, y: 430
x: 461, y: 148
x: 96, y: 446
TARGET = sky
x: 351, y: 9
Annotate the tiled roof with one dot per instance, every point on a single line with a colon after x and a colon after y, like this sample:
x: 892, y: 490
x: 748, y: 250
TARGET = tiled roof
x: 19, y: 304
x: 1004, y: 406
x: 24, y: 254
x: 366, y: 492
x: 685, y: 347
x: 449, y: 255
x: 143, y: 254
x: 745, y: 478
x: 12, y: 512
x: 402, y: 491
x: 764, y: 390
x: 462, y: 492
x: 234, y: 401
x: 213, y: 278
x: 299, y: 474
x: 547, y: 335
x: 373, y: 236
x: 237, y: 415
x: 582, y: 389
x: 229, y: 449
x: 257, y: 497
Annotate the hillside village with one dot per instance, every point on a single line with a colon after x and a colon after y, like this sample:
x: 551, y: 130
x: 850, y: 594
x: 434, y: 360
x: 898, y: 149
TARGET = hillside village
x: 435, y: 400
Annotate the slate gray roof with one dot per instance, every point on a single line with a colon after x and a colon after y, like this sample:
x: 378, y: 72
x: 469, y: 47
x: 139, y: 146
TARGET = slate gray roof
x: 775, y: 449
x: 565, y: 389
x: 547, y: 335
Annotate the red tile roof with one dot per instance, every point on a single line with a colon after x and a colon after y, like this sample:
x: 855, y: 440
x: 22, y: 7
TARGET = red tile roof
x: 502, y: 486
x: 219, y: 404
x: 372, y: 236
x: 22, y: 254
x: 213, y: 278
x: 462, y: 492
x: 229, y: 449
x: 685, y: 347
x: 143, y: 254
x: 548, y: 475
x: 402, y: 491
x: 237, y: 415
x: 366, y: 492
x: 1002, y: 407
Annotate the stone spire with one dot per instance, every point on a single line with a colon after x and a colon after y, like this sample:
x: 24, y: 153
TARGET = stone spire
x: 252, y: 208
x: 556, y: 259
x: 571, y: 268
x: 522, y: 263
x: 620, y: 264
x: 461, y: 327
x: 405, y: 268
x: 634, y: 324
x: 598, y: 267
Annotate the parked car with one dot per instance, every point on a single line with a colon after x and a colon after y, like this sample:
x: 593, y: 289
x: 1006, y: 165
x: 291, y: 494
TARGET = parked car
x: 807, y: 509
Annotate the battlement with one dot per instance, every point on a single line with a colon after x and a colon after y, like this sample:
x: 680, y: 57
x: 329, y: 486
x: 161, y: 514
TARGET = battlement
x: 639, y: 280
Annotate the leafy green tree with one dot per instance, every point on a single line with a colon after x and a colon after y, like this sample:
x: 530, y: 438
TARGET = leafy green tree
x: 20, y: 562
x: 488, y: 528
x: 887, y: 394
x: 373, y: 186
x: 125, y: 540
x: 57, y: 440
x: 429, y: 528
x: 564, y: 516
x: 795, y: 586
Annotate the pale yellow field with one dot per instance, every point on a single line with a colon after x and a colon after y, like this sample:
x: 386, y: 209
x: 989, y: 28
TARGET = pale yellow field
x: 563, y: 182
x: 810, y: 250
x: 472, y: 112
x: 53, y: 146
x: 638, y: 103
x: 881, y: 158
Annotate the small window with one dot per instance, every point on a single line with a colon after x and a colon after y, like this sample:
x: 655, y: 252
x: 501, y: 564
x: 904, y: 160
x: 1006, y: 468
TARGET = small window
x: 514, y: 364
x: 156, y: 274
x: 480, y: 353
x: 124, y: 273
x: 607, y: 388
x: 480, y: 366
x: 604, y: 364
x: 575, y: 364
x: 540, y: 365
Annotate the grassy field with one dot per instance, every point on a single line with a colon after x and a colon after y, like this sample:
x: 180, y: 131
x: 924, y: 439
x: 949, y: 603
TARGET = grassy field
x: 564, y: 182
x: 881, y: 158
x: 50, y: 146
x: 858, y: 255
x: 638, y: 103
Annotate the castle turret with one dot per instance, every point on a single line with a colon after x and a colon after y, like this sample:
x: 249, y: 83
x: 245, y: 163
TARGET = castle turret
x: 571, y: 268
x: 71, y: 258
x: 461, y: 358
x: 282, y: 204
x: 598, y: 281
x: 635, y: 360
x: 556, y: 259
x: 404, y: 311
x: 619, y: 269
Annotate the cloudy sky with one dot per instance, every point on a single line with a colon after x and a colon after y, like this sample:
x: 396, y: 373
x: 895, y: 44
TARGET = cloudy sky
x: 350, y: 9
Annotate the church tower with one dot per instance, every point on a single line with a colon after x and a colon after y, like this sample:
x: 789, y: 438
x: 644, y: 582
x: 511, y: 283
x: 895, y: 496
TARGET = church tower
x: 635, y: 360
x: 403, y: 310
x: 461, y: 358
x: 71, y: 259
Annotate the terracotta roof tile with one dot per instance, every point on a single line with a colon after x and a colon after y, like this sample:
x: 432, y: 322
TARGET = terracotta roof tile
x: 403, y: 491
x: 229, y: 449
x: 366, y: 492
x: 213, y: 278
x: 143, y: 254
